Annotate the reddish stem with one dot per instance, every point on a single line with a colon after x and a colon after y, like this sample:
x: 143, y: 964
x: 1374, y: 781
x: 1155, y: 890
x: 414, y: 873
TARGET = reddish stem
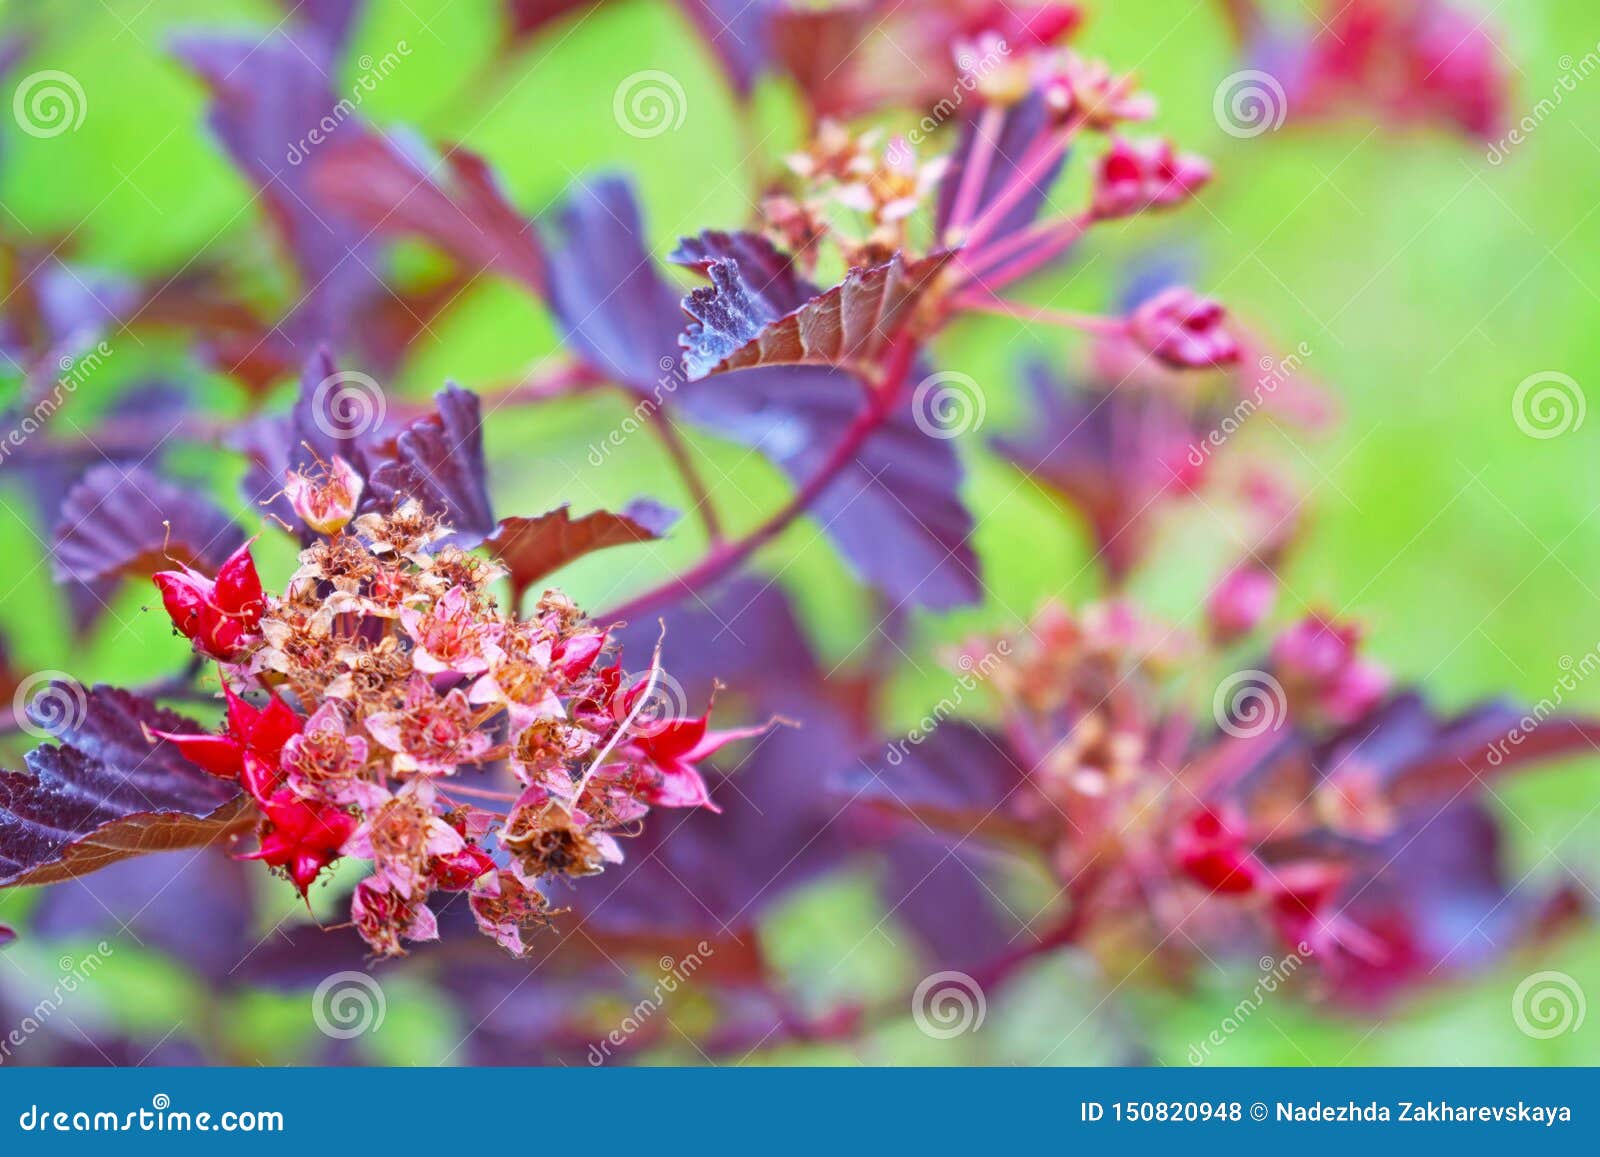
x: 725, y: 556
x: 1087, y: 322
x: 1013, y: 258
x: 677, y: 449
x: 976, y: 172
x: 1034, y: 165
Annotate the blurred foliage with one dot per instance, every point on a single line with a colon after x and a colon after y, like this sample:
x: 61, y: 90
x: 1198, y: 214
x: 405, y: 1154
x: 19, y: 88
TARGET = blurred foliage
x: 1426, y: 281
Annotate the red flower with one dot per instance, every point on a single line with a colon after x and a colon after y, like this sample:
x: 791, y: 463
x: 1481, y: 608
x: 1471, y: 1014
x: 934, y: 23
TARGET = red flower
x: 260, y: 731
x: 220, y: 615
x: 1145, y: 174
x: 297, y: 835
x: 1184, y: 330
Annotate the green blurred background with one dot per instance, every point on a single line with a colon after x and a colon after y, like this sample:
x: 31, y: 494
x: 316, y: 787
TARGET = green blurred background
x: 1426, y: 282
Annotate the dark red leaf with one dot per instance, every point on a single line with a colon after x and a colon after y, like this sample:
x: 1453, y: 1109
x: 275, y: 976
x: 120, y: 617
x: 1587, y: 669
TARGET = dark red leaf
x: 740, y: 323
x: 106, y: 792
x: 399, y: 189
x: 532, y: 548
x: 760, y: 262
x: 115, y: 523
x: 438, y: 460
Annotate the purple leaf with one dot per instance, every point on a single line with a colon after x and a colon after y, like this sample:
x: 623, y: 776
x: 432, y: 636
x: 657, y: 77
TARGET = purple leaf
x: 8, y: 935
x: 532, y: 548
x: 741, y: 323
x: 271, y: 97
x: 438, y: 460
x: 1439, y: 904
x: 939, y: 890
x: 1113, y: 455
x: 197, y: 906
x: 116, y: 523
x: 395, y: 186
x: 738, y: 32
x: 106, y: 793
x: 895, y: 511
x: 960, y: 780
x: 1422, y: 759
x: 614, y: 307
